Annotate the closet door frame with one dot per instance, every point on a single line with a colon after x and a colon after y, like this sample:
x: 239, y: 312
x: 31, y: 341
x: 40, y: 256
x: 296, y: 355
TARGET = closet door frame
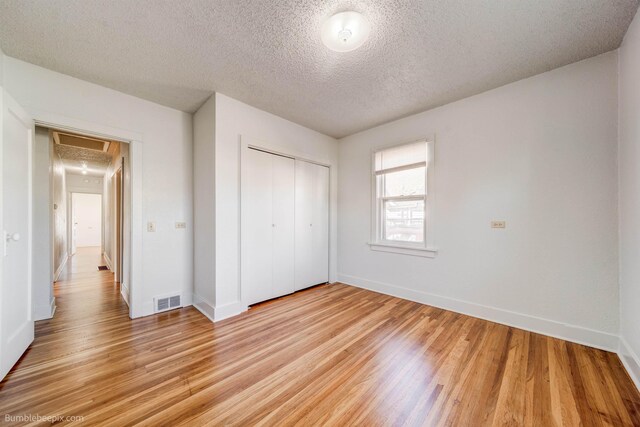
x: 249, y: 143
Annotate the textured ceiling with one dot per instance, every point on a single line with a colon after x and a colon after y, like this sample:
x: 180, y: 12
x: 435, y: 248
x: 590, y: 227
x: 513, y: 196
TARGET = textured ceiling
x: 421, y: 53
x: 73, y: 159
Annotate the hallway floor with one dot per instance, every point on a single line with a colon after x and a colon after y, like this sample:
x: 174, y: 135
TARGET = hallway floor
x: 331, y: 355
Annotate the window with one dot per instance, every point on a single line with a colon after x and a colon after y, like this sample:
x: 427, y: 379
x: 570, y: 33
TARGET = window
x: 401, y: 201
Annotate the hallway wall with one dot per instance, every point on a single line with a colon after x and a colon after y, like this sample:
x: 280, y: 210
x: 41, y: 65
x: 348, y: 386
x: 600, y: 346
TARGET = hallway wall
x: 59, y: 191
x: 84, y: 183
x: 41, y: 271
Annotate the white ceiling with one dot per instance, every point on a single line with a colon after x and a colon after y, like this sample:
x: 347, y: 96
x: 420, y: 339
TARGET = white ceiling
x: 421, y: 53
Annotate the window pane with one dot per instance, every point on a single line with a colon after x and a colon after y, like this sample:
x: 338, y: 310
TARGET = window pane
x: 405, y: 183
x: 402, y: 155
x: 404, y: 220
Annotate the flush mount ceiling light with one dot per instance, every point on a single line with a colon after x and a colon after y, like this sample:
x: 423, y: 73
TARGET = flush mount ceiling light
x: 345, y: 31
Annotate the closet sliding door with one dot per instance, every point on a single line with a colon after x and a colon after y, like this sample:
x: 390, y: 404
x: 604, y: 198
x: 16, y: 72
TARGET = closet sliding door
x: 283, y: 219
x: 267, y: 229
x: 312, y: 224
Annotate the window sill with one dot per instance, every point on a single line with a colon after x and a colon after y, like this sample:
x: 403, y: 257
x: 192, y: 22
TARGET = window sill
x: 403, y: 249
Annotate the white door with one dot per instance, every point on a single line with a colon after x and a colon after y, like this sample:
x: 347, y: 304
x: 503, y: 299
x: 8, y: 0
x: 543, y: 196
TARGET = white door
x: 319, y: 270
x: 283, y: 218
x: 256, y: 229
x: 267, y: 228
x: 87, y: 214
x: 312, y: 224
x: 16, y: 321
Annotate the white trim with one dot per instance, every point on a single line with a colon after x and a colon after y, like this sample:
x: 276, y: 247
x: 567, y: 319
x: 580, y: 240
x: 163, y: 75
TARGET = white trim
x: 222, y: 312
x: 63, y: 264
x: 124, y: 292
x: 44, y: 312
x: 630, y: 360
x: 53, y: 306
x: 204, y: 307
x: 577, y: 334
x: 107, y: 260
x: 404, y: 249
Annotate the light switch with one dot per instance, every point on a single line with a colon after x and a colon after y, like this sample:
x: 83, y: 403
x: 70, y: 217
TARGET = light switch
x: 151, y: 227
x: 181, y: 225
x: 498, y: 224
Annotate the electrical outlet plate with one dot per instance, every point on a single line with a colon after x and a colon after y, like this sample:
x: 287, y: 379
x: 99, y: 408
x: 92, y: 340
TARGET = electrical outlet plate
x: 181, y: 225
x: 151, y: 227
x: 498, y: 224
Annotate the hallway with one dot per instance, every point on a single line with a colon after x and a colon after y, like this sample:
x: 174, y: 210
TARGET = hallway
x: 90, y: 359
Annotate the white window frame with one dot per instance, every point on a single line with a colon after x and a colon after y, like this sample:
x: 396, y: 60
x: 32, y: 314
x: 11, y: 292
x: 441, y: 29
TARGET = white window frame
x: 377, y: 242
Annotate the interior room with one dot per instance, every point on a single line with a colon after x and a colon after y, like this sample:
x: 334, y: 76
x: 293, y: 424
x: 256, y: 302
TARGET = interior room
x: 320, y: 212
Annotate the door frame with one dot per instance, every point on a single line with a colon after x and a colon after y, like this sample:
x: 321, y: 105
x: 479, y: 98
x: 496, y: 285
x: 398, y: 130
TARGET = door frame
x: 118, y: 219
x: 135, y: 141
x: 249, y: 143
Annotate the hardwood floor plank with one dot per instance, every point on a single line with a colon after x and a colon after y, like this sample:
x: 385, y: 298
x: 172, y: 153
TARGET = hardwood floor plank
x: 330, y: 355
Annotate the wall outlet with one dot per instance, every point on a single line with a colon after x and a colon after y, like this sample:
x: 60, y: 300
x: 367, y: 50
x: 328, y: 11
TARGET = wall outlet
x: 181, y: 225
x: 498, y: 224
x: 151, y: 227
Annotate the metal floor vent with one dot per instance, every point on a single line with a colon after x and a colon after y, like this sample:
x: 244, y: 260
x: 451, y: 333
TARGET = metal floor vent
x: 167, y: 303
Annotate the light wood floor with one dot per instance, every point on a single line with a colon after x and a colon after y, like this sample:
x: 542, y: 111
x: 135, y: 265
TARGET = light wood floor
x: 333, y: 355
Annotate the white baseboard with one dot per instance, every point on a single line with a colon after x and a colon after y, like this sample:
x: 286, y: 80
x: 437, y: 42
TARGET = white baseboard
x: 217, y: 313
x: 229, y: 310
x: 44, y: 312
x: 573, y: 333
x: 630, y: 360
x: 124, y: 291
x: 107, y: 260
x: 63, y: 264
x: 204, y: 307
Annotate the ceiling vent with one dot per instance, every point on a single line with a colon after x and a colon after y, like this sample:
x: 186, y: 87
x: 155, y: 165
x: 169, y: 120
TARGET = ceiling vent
x: 167, y: 303
x: 79, y: 141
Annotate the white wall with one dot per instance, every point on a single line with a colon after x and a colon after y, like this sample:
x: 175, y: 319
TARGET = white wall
x: 204, y: 135
x: 233, y: 120
x: 84, y: 183
x: 1, y: 68
x: 87, y: 213
x: 541, y: 155
x: 629, y: 175
x: 42, y: 273
x: 166, y: 264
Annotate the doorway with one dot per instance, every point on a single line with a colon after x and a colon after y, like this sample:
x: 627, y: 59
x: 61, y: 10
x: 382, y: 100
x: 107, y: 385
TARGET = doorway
x: 89, y: 205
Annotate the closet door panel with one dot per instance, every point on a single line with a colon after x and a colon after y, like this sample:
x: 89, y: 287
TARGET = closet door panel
x: 257, y: 233
x: 283, y: 209
x: 312, y: 224
x: 320, y: 228
x: 303, y: 222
